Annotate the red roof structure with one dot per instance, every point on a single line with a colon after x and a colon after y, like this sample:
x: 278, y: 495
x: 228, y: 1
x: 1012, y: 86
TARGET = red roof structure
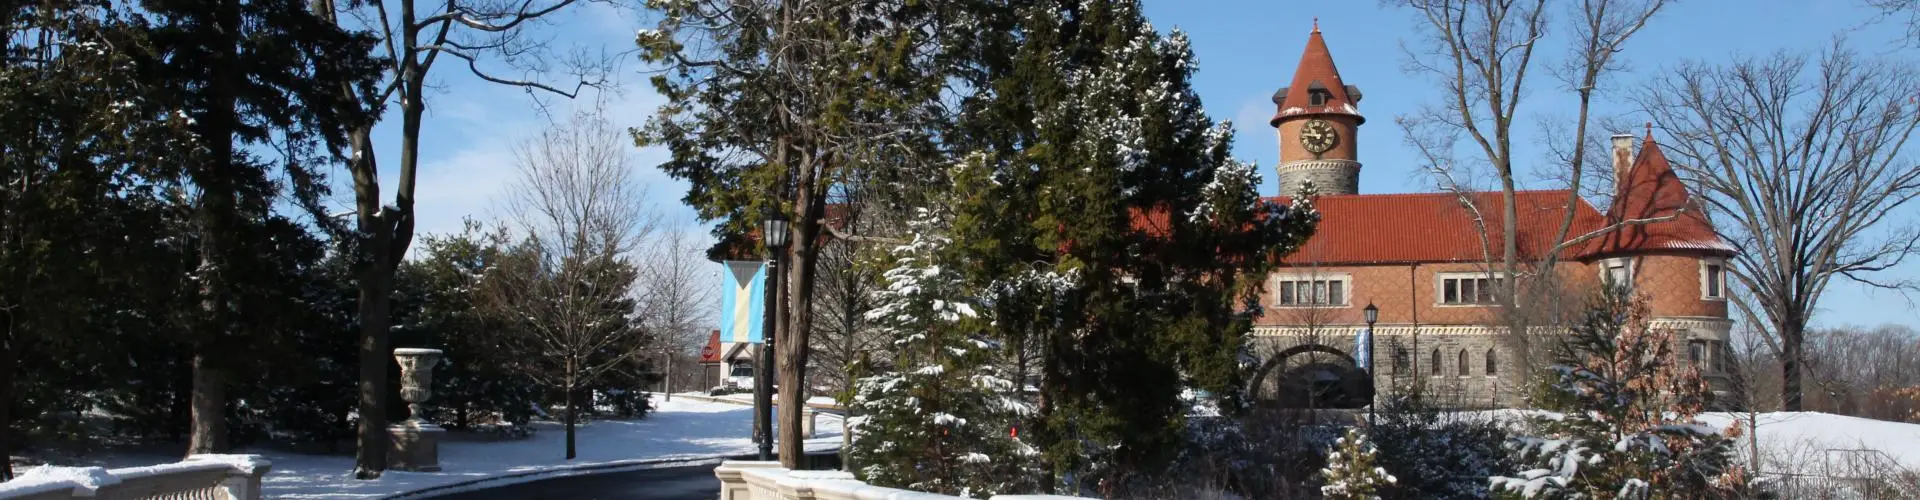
x: 1651, y: 190
x: 711, y: 352
x: 1316, y: 73
x: 1435, y: 227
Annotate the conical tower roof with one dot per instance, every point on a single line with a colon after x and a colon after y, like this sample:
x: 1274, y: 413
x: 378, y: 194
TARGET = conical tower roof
x: 1651, y: 190
x: 1316, y: 72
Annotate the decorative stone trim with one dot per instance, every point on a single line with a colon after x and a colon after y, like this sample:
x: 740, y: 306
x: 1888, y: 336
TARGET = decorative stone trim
x: 1329, y: 164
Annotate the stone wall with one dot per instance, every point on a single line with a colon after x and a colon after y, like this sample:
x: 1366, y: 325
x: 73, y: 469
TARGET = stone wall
x: 1327, y: 176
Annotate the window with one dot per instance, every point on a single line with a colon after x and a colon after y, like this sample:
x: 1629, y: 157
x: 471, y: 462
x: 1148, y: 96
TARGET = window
x: 1463, y: 363
x: 1305, y: 291
x: 1400, y: 360
x: 1470, y: 288
x: 1317, y: 97
x: 1713, y: 279
x: 1436, y: 363
x: 1492, y: 368
x: 1702, y: 354
x: 1617, y: 273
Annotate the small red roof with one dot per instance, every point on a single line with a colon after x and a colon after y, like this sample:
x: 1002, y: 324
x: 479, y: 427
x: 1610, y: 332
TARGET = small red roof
x: 1652, y: 190
x: 1434, y: 227
x: 1316, y: 72
x: 711, y: 352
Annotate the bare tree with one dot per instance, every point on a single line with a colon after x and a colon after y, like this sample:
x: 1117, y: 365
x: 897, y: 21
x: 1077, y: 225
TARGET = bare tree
x: 567, y: 284
x: 1906, y: 11
x: 1485, y: 52
x: 677, y: 297
x: 1803, y: 159
x: 413, y: 39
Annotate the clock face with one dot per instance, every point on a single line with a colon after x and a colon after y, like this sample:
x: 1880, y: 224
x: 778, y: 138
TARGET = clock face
x: 1318, y: 136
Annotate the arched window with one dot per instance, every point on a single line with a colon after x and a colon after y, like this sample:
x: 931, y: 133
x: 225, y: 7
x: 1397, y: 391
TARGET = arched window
x: 1436, y: 362
x: 1463, y: 363
x: 1400, y: 360
x: 1492, y: 367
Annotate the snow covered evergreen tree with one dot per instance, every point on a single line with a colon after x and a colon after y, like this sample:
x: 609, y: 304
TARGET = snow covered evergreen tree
x: 1121, y: 237
x: 1351, y: 473
x: 1618, y: 419
x: 941, y: 420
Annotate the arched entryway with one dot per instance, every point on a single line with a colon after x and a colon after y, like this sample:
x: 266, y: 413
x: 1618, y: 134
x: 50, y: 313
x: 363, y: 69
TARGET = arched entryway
x: 1312, y: 376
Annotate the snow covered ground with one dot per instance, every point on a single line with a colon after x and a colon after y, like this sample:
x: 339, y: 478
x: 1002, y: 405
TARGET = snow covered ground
x: 682, y: 429
x: 1813, y: 434
x: 1808, y: 442
x: 678, y: 429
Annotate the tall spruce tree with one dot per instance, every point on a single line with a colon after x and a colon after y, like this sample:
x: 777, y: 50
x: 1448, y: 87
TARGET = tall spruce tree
x: 254, y: 83
x: 78, y: 149
x: 943, y: 418
x: 1130, y: 243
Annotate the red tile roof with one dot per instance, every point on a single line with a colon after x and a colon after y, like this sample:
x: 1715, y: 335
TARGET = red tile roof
x: 1316, y: 71
x: 1651, y: 190
x: 1434, y: 227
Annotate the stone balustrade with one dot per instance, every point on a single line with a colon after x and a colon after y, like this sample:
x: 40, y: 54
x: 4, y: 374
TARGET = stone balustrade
x: 210, y: 477
x: 743, y: 480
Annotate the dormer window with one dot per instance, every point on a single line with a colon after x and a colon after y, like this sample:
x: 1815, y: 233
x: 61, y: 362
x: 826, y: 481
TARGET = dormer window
x: 1318, y: 97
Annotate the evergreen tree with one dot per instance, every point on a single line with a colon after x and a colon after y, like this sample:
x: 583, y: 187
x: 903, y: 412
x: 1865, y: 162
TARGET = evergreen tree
x: 941, y: 420
x: 1129, y: 244
x: 1351, y: 473
x: 246, y: 75
x: 1436, y: 455
x: 1618, y: 418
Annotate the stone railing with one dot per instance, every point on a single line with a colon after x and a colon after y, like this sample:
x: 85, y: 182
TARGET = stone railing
x: 768, y: 481
x: 199, y: 477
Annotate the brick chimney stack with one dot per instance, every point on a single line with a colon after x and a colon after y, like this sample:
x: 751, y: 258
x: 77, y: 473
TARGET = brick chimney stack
x: 1622, y: 159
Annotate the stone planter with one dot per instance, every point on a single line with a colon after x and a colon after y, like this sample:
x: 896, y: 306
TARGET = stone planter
x: 415, y: 441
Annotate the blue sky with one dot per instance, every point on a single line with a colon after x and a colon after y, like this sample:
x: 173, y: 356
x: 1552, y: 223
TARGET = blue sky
x: 1246, y: 49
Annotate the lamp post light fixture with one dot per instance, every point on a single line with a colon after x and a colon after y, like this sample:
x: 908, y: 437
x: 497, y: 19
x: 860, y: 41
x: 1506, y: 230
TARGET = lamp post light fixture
x: 773, y: 231
x: 1372, y: 313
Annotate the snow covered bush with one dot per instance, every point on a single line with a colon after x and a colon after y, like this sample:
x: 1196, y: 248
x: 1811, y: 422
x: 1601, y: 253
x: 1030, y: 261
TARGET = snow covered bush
x: 942, y: 420
x: 1618, y: 417
x: 1436, y: 455
x: 1351, y: 472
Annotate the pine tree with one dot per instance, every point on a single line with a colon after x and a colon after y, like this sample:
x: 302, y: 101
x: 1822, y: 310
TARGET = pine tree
x: 1351, y: 473
x: 1618, y: 417
x: 941, y: 420
x: 1125, y: 237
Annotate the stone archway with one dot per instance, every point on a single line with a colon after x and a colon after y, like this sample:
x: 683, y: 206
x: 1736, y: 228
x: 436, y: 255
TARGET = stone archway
x: 1311, y: 376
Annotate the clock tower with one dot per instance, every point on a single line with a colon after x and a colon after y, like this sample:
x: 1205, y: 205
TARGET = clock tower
x: 1318, y: 120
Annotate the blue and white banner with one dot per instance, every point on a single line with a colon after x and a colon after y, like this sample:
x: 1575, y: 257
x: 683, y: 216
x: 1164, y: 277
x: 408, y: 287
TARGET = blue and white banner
x: 742, y: 300
x: 1362, y: 349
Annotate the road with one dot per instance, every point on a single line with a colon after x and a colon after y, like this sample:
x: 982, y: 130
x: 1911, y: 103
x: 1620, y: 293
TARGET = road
x: 692, y: 482
x: 695, y: 482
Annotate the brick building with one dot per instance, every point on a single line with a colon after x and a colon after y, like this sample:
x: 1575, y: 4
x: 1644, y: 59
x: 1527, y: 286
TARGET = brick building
x: 1420, y: 258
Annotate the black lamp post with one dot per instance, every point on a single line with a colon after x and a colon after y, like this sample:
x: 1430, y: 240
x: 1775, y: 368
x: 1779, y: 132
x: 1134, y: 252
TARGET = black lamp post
x: 773, y: 231
x: 1372, y: 314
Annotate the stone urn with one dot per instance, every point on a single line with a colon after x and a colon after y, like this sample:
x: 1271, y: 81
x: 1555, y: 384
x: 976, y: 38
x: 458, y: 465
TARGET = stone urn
x: 416, y: 441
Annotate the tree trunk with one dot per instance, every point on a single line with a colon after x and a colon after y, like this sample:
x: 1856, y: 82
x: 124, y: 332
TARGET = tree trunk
x: 573, y: 410
x: 792, y: 346
x: 209, y: 408
x: 7, y: 362
x: 371, y: 455
x: 1792, y: 345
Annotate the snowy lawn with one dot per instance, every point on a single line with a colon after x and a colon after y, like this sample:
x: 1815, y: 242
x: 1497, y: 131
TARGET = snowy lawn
x: 1814, y: 432
x: 1803, y: 437
x: 679, y: 429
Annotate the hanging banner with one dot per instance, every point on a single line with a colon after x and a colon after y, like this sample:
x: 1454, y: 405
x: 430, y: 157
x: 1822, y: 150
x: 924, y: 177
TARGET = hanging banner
x: 742, y: 300
x: 1363, y: 347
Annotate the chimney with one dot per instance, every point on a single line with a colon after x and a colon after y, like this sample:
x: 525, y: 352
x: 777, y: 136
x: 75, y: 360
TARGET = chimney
x: 1622, y: 159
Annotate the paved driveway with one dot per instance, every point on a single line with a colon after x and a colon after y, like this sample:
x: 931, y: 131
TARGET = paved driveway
x: 695, y: 482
